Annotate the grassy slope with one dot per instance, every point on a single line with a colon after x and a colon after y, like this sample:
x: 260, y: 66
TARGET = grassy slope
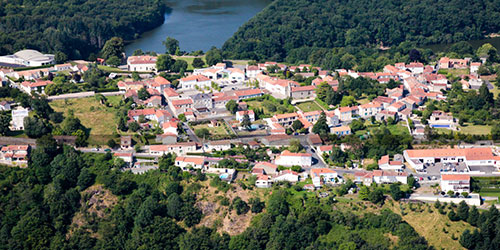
x: 308, y: 106
x: 101, y: 120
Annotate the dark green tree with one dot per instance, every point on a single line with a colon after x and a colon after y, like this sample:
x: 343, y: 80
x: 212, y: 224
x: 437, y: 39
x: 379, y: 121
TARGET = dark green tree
x: 198, y: 63
x: 171, y: 45
x: 321, y: 127
x: 4, y: 124
x: 213, y: 56
x: 232, y: 106
x: 113, y: 47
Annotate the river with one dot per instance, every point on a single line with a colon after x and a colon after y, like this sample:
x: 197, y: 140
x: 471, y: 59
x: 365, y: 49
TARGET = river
x: 495, y: 41
x: 199, y: 24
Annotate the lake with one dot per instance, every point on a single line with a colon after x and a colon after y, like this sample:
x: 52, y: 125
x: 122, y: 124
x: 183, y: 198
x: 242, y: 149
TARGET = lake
x: 199, y: 24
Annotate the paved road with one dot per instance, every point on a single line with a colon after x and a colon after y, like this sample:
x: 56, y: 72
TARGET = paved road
x: 190, y: 133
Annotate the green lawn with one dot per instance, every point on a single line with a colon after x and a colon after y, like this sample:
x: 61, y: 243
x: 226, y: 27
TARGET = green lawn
x: 100, y: 119
x: 308, y: 106
x: 469, y: 128
x: 454, y: 72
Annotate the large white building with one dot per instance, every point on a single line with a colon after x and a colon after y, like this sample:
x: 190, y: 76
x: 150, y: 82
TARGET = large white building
x: 455, y: 182
x: 320, y: 176
x: 288, y: 158
x: 384, y: 177
x: 28, y: 58
x: 141, y: 63
x: 470, y: 156
x: 18, y: 116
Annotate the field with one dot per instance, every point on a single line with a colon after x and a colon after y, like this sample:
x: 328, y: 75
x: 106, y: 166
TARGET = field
x: 470, y: 129
x: 308, y: 106
x: 454, y: 72
x: 216, y: 133
x: 486, y: 186
x: 100, y: 119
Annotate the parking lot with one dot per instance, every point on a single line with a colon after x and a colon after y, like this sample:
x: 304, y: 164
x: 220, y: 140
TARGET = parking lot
x: 438, y: 168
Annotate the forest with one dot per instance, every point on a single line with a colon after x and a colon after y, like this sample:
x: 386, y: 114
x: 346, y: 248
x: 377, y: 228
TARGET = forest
x: 307, y: 31
x: 76, y: 28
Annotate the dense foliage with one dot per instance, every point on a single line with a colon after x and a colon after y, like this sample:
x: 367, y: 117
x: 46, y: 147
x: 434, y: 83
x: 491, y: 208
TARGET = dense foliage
x: 307, y: 30
x: 75, y: 27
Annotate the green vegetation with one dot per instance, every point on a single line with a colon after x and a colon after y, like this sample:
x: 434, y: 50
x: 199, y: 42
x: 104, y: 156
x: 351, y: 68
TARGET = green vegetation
x: 342, y: 34
x: 267, y: 106
x: 486, y: 186
x: 308, y: 106
x: 100, y: 119
x: 75, y: 28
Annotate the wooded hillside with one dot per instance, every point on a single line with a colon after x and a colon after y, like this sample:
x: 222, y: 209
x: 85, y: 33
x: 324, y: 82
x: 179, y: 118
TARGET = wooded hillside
x: 75, y: 27
x: 286, y: 27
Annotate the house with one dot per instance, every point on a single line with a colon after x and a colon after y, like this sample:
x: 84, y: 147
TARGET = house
x: 474, y: 67
x: 180, y: 149
x: 145, y: 63
x: 370, y: 109
x: 303, y: 92
x: 362, y: 177
x: 287, y: 158
x: 440, y: 119
x: 325, y: 149
x: 36, y: 86
x: 341, y: 130
x: 415, y: 67
x: 252, y: 71
x: 153, y: 101
x: 276, y: 140
x: 136, y: 114
x: 384, y: 177
x: 166, y: 139
x: 457, y: 183
x: 287, y: 175
x: 285, y: 119
x: 180, y: 105
x: 4, y: 106
x: 444, y: 63
x: 314, y: 140
x: 159, y: 83
x: 222, y: 145
x: 202, y: 101
x: 386, y: 164
x: 346, y: 113
x: 127, y: 157
x: 236, y: 74
x: 331, y: 119
x: 18, y: 116
x: 241, y: 114
x: 263, y: 181
x: 186, y: 162
x: 384, y: 115
x: 265, y: 168
x: 397, y: 106
x: 15, y: 154
x: 248, y: 93
x: 170, y: 127
x: 470, y: 156
x: 126, y: 142
x: 193, y: 81
x: 321, y: 176
x: 279, y: 88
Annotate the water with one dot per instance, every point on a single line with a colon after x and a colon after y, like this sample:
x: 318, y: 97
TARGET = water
x: 199, y: 24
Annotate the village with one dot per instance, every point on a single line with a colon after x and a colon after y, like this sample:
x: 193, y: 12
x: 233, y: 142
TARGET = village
x: 259, y: 121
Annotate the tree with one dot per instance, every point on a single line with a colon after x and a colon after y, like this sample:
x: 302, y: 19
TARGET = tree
x: 134, y: 126
x: 4, y: 124
x: 246, y: 123
x: 321, y: 127
x: 495, y: 132
x: 295, y: 146
x: 240, y: 206
x: 171, y: 45
x: 453, y: 216
x: 348, y: 101
x: 85, y: 179
x: 111, y: 143
x: 138, y: 52
x: 415, y: 55
x: 364, y: 193
x: 174, y: 205
x: 473, y: 217
x: 213, y: 56
x: 164, y: 62
x: 396, y: 192
x: 357, y: 124
x: 297, y: 125
x: 60, y: 57
x: 113, y: 61
x: 113, y: 47
x: 179, y: 66
x: 36, y: 127
x: 198, y: 63
x: 122, y: 124
x: 202, y: 133
x: 143, y: 94
x: 232, y: 106
x: 256, y: 205
x: 376, y: 196
x: 463, y: 211
x: 486, y: 95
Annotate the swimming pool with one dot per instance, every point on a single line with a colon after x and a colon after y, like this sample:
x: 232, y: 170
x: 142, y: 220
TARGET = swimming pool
x: 223, y: 176
x: 440, y: 126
